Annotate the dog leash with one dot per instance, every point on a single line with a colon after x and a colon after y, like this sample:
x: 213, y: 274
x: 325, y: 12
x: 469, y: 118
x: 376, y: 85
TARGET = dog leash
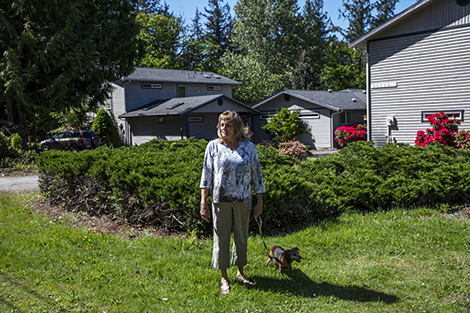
x: 260, y: 223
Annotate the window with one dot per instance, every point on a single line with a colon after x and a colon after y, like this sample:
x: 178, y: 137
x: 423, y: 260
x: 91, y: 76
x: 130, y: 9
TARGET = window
x: 457, y: 114
x: 346, y: 118
x: 181, y: 91
x: 265, y: 115
x: 195, y: 119
x: 214, y: 88
x: 151, y: 86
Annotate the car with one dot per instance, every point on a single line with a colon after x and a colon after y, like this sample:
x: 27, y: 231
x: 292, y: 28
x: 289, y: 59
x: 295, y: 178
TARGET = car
x: 73, y: 140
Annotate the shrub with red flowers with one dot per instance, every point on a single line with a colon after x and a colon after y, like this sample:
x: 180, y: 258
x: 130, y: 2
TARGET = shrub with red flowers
x: 347, y: 134
x: 462, y: 139
x: 294, y: 149
x: 444, y: 131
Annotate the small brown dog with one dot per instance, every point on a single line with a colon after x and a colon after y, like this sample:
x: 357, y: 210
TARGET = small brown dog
x: 283, y: 258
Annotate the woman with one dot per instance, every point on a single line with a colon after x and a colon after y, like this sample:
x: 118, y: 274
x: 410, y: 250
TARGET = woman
x: 231, y: 168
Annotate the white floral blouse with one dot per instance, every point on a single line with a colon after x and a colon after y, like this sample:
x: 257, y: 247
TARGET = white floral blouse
x: 230, y: 174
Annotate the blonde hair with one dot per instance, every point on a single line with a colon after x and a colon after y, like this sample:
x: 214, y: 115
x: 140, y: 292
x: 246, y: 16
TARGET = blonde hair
x: 242, y: 133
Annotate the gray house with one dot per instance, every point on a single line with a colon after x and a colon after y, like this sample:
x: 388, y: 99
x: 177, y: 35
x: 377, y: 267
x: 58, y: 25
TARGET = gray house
x: 418, y: 64
x: 323, y: 111
x: 172, y: 104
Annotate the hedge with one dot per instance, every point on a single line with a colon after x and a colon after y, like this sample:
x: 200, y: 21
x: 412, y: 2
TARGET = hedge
x: 157, y: 183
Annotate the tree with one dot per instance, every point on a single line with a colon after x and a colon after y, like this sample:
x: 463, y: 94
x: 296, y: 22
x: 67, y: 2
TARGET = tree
x: 219, y: 25
x: 56, y: 54
x: 199, y: 52
x: 313, y: 36
x: 162, y: 36
x: 343, y: 67
x: 104, y: 127
x: 385, y: 10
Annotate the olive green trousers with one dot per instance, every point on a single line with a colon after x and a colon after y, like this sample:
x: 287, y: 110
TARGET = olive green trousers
x: 228, y: 217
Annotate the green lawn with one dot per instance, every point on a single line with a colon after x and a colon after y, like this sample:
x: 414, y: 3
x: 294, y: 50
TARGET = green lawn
x: 399, y: 261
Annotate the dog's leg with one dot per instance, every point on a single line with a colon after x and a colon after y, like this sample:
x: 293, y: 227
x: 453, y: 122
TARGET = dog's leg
x: 280, y: 270
x: 269, y: 260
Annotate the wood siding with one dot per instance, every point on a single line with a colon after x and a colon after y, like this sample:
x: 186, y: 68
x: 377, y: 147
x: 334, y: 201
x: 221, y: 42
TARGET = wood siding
x: 434, y: 15
x: 431, y: 72
x: 136, y: 96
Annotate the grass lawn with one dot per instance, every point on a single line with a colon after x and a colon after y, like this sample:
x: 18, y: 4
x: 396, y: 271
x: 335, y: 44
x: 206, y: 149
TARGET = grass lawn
x: 399, y: 261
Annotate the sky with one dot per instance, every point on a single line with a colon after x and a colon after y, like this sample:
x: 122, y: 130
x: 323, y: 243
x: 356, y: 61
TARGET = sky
x: 187, y: 8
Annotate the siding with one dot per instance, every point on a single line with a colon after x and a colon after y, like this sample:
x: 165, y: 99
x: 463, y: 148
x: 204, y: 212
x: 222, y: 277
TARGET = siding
x: 434, y: 15
x: 432, y: 73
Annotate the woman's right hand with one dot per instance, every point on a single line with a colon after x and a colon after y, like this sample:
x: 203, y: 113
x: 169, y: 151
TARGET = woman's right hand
x: 205, y: 213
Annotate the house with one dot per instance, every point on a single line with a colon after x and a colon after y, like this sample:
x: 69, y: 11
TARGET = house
x: 323, y: 111
x: 418, y: 64
x: 172, y: 104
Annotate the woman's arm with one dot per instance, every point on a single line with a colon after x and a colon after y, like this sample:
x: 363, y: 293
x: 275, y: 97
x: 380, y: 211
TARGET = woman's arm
x: 259, y: 205
x: 205, y: 213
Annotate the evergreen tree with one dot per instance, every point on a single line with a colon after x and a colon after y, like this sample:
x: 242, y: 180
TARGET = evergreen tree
x: 358, y: 13
x: 219, y: 25
x: 314, y: 34
x: 162, y: 38
x: 343, y: 67
x: 56, y: 54
x: 104, y: 127
x: 199, y: 53
x: 384, y: 11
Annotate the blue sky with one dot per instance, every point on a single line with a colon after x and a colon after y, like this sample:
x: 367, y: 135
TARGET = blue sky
x: 187, y: 8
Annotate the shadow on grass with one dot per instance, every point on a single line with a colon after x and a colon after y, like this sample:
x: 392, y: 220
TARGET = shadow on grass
x: 302, y: 285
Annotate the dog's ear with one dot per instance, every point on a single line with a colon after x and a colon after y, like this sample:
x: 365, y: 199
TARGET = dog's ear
x: 295, y: 248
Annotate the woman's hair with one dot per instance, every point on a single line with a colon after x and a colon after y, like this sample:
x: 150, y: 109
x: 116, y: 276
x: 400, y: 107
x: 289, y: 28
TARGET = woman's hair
x: 242, y: 133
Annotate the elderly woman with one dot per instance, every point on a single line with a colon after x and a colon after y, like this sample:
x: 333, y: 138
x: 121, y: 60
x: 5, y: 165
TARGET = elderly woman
x: 231, y: 168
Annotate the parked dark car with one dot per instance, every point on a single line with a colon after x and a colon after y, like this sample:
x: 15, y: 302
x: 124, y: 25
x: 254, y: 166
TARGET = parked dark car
x: 73, y: 140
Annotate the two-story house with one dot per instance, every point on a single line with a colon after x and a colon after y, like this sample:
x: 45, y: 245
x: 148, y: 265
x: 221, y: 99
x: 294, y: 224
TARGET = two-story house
x: 172, y: 104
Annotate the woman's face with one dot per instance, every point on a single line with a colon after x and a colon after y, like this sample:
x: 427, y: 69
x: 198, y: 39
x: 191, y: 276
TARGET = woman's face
x: 227, y: 129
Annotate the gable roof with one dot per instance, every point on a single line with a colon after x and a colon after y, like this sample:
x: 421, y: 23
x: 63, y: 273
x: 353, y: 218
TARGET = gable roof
x: 348, y: 99
x: 178, y: 106
x: 361, y: 42
x: 144, y: 74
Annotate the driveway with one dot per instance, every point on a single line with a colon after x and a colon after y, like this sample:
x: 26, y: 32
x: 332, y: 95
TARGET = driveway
x: 19, y: 183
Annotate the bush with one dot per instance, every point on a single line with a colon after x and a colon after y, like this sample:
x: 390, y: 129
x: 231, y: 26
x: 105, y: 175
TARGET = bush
x: 348, y: 134
x: 294, y: 149
x: 157, y: 183
x: 444, y: 132
x: 285, y: 126
x: 104, y: 127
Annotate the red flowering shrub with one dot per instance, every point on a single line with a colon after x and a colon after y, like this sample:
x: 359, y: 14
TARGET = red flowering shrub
x: 294, y: 149
x: 444, y: 131
x: 462, y: 139
x: 347, y: 134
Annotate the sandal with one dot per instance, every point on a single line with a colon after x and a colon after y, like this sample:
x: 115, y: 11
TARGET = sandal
x: 225, y: 289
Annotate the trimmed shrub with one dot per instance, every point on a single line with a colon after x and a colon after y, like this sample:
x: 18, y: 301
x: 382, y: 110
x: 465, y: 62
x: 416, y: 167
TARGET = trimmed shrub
x: 104, y: 127
x: 157, y: 183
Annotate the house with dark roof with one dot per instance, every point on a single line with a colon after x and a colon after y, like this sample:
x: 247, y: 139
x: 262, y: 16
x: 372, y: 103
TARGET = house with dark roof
x: 172, y: 104
x: 418, y: 63
x: 323, y: 111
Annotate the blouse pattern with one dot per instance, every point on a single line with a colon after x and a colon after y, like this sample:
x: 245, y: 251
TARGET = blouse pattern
x: 231, y: 174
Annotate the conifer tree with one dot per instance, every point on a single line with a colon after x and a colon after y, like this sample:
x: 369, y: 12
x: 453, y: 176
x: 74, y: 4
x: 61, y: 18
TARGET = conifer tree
x: 56, y: 54
x: 218, y: 25
x: 104, y: 127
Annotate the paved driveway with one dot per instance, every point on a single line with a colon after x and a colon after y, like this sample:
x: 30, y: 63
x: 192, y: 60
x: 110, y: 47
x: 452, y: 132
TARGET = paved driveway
x: 19, y: 183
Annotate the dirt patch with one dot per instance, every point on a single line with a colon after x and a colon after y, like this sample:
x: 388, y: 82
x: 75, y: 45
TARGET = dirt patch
x: 98, y: 224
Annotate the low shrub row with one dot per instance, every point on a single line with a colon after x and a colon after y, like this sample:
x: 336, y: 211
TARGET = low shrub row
x: 158, y: 182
